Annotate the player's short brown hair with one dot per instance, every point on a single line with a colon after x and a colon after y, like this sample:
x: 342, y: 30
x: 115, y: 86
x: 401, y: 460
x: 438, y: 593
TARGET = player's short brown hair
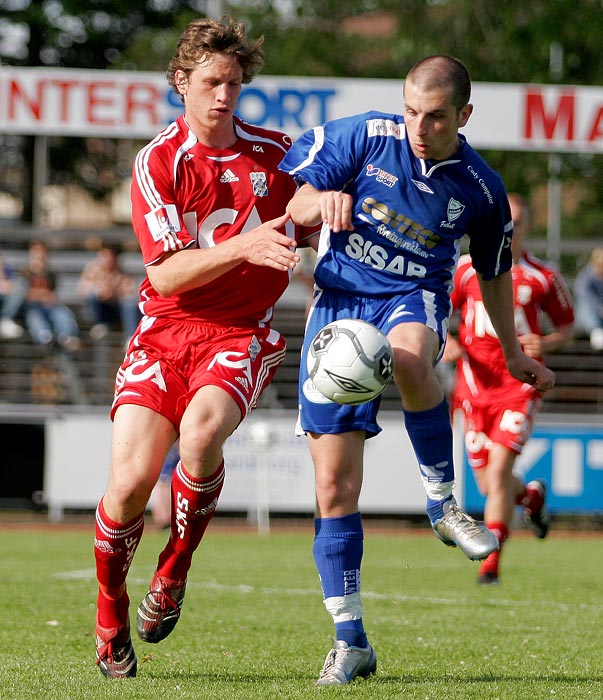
x: 207, y: 36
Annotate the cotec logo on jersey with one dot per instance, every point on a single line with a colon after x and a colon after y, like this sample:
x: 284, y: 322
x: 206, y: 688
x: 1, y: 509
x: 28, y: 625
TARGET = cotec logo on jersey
x: 381, y: 213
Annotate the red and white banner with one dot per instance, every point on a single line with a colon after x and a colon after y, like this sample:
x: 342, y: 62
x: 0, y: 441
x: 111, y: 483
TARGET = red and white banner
x: 124, y: 104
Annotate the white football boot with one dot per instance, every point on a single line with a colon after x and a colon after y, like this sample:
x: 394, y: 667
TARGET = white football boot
x: 344, y: 663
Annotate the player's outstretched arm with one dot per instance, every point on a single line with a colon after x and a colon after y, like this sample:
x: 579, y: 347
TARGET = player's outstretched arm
x: 497, y: 294
x: 187, y: 269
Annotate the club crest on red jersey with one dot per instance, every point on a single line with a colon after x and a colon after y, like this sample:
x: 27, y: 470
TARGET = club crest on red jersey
x: 259, y: 183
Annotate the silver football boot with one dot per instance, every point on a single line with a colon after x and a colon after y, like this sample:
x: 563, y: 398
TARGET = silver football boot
x: 457, y: 529
x: 344, y: 663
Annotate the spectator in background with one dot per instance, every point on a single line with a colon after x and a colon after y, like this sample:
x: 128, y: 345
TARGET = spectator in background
x: 47, y: 319
x: 588, y: 296
x: 11, y: 300
x: 110, y: 295
x: 498, y: 409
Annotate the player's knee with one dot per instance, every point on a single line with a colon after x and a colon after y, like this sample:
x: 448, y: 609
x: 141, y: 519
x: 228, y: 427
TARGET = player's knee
x: 201, y: 449
x: 410, y: 368
x: 335, y: 494
x: 129, y: 494
x: 205, y: 427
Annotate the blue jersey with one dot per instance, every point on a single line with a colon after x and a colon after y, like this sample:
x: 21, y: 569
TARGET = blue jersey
x: 409, y: 214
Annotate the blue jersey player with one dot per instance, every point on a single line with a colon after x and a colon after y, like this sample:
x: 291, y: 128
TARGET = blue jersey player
x: 395, y: 194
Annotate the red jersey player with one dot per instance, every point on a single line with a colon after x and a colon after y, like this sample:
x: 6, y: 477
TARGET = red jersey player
x: 208, y: 208
x: 498, y: 410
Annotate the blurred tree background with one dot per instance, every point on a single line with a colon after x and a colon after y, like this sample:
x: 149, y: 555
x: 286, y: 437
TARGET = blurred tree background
x: 508, y: 42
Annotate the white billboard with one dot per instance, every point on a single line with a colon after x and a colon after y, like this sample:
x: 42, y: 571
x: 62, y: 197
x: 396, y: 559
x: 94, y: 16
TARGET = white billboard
x: 126, y: 104
x: 277, y: 476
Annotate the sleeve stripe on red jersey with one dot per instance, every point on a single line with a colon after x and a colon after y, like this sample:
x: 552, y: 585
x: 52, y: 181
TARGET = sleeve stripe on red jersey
x: 168, y: 226
x: 145, y: 181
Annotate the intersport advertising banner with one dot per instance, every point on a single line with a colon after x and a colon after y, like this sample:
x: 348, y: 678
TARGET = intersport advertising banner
x: 126, y: 104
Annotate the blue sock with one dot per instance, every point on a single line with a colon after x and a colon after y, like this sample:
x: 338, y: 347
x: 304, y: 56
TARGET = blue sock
x: 430, y: 433
x: 351, y: 632
x: 435, y: 509
x: 338, y: 549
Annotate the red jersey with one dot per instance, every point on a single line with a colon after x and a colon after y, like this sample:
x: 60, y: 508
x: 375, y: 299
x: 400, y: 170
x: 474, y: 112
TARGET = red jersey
x: 185, y: 194
x: 538, y: 288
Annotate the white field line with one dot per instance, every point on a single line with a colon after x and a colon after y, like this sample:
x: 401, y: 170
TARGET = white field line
x: 242, y: 589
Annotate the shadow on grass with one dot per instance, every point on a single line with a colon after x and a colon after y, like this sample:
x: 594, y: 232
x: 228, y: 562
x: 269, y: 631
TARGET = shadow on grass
x: 378, y: 679
x: 487, y: 678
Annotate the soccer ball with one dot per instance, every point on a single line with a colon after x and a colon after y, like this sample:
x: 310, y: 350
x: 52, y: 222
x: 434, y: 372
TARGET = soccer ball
x: 350, y: 361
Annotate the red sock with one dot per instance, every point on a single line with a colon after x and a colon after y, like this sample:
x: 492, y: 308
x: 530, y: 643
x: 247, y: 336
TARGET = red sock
x: 194, y: 503
x: 112, y: 612
x: 532, y: 500
x: 114, y: 548
x: 490, y: 564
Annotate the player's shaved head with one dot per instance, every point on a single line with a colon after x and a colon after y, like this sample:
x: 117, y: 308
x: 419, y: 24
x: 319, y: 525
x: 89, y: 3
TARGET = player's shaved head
x: 442, y: 73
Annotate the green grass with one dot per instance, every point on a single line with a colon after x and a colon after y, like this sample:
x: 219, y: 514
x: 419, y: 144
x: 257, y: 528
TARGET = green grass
x: 254, y: 627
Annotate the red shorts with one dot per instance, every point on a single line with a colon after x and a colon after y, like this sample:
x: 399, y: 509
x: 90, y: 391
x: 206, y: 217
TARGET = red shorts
x: 506, y: 421
x: 167, y: 361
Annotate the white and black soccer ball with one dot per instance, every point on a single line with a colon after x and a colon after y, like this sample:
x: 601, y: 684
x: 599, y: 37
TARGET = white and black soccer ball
x: 350, y: 361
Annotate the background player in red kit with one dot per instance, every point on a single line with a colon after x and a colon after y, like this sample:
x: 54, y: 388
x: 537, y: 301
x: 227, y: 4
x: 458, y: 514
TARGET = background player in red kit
x: 208, y: 208
x: 499, y: 410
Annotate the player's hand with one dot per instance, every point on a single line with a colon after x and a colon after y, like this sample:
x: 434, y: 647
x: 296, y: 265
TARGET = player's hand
x: 531, y: 344
x: 266, y: 245
x: 530, y: 371
x: 453, y: 350
x: 336, y: 210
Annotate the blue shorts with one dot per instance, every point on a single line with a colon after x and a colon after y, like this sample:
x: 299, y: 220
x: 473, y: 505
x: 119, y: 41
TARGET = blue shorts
x: 318, y: 414
x: 171, y: 462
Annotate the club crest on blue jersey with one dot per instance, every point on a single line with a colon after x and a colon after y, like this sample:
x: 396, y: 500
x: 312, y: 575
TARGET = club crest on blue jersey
x: 453, y: 211
x: 259, y: 183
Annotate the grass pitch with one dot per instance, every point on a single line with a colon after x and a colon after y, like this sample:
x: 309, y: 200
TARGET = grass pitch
x: 253, y: 625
